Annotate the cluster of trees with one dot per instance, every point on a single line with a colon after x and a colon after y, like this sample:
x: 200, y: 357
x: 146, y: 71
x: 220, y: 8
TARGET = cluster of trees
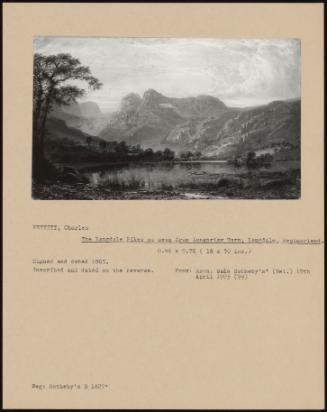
x: 138, y: 152
x: 98, y: 150
x: 95, y: 149
x: 121, y: 149
x: 252, y: 161
x: 135, y: 151
x: 190, y: 155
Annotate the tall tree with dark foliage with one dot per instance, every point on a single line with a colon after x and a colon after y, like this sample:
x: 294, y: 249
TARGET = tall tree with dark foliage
x: 51, y: 86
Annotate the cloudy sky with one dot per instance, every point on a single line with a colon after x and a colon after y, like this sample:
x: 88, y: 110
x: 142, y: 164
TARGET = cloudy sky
x: 240, y: 72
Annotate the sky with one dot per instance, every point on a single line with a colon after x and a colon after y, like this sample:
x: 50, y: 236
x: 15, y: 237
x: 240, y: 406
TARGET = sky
x: 240, y: 72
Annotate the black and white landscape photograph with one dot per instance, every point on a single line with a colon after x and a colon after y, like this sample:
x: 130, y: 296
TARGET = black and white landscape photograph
x: 166, y: 118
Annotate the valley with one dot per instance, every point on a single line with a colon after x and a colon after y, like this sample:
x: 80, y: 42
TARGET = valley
x: 164, y: 147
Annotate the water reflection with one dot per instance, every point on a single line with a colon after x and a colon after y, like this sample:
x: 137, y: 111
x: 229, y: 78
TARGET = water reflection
x: 165, y: 176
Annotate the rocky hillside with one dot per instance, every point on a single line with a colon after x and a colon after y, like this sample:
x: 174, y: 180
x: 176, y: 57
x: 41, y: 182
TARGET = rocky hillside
x: 206, y: 124
x: 150, y: 119
x: 275, y: 126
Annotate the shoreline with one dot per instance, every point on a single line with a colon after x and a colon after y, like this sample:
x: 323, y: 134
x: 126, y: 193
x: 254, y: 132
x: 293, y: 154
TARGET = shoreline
x: 94, y: 167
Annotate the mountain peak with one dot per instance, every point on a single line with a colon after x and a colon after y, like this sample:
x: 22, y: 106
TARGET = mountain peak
x: 130, y: 102
x: 152, y: 95
x: 152, y: 98
x: 151, y: 92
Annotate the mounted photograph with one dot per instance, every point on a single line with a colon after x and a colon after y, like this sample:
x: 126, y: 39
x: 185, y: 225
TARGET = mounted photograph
x: 166, y: 118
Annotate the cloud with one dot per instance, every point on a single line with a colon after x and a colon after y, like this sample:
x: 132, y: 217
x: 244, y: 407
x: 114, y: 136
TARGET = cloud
x: 238, y: 71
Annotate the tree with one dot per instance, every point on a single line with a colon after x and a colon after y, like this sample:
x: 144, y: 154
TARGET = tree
x: 158, y: 155
x: 122, y: 148
x: 186, y: 155
x: 238, y: 161
x: 268, y: 157
x: 168, y: 154
x: 148, y: 153
x: 103, y: 145
x: 251, y: 160
x: 51, y: 76
x: 88, y: 141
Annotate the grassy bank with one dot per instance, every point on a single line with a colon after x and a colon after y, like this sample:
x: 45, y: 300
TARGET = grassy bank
x: 259, y: 185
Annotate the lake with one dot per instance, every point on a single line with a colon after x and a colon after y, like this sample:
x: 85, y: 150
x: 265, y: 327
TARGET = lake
x: 196, y: 175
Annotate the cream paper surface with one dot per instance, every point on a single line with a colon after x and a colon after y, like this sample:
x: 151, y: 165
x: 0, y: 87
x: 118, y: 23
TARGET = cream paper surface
x: 165, y: 339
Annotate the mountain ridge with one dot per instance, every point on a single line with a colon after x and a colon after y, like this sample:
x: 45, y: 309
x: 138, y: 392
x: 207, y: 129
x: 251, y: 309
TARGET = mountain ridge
x: 204, y: 123
x: 201, y: 123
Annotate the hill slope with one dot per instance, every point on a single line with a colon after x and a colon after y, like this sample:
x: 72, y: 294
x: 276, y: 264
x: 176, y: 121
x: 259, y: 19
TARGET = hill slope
x: 274, y: 126
x: 85, y: 116
x: 205, y: 124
